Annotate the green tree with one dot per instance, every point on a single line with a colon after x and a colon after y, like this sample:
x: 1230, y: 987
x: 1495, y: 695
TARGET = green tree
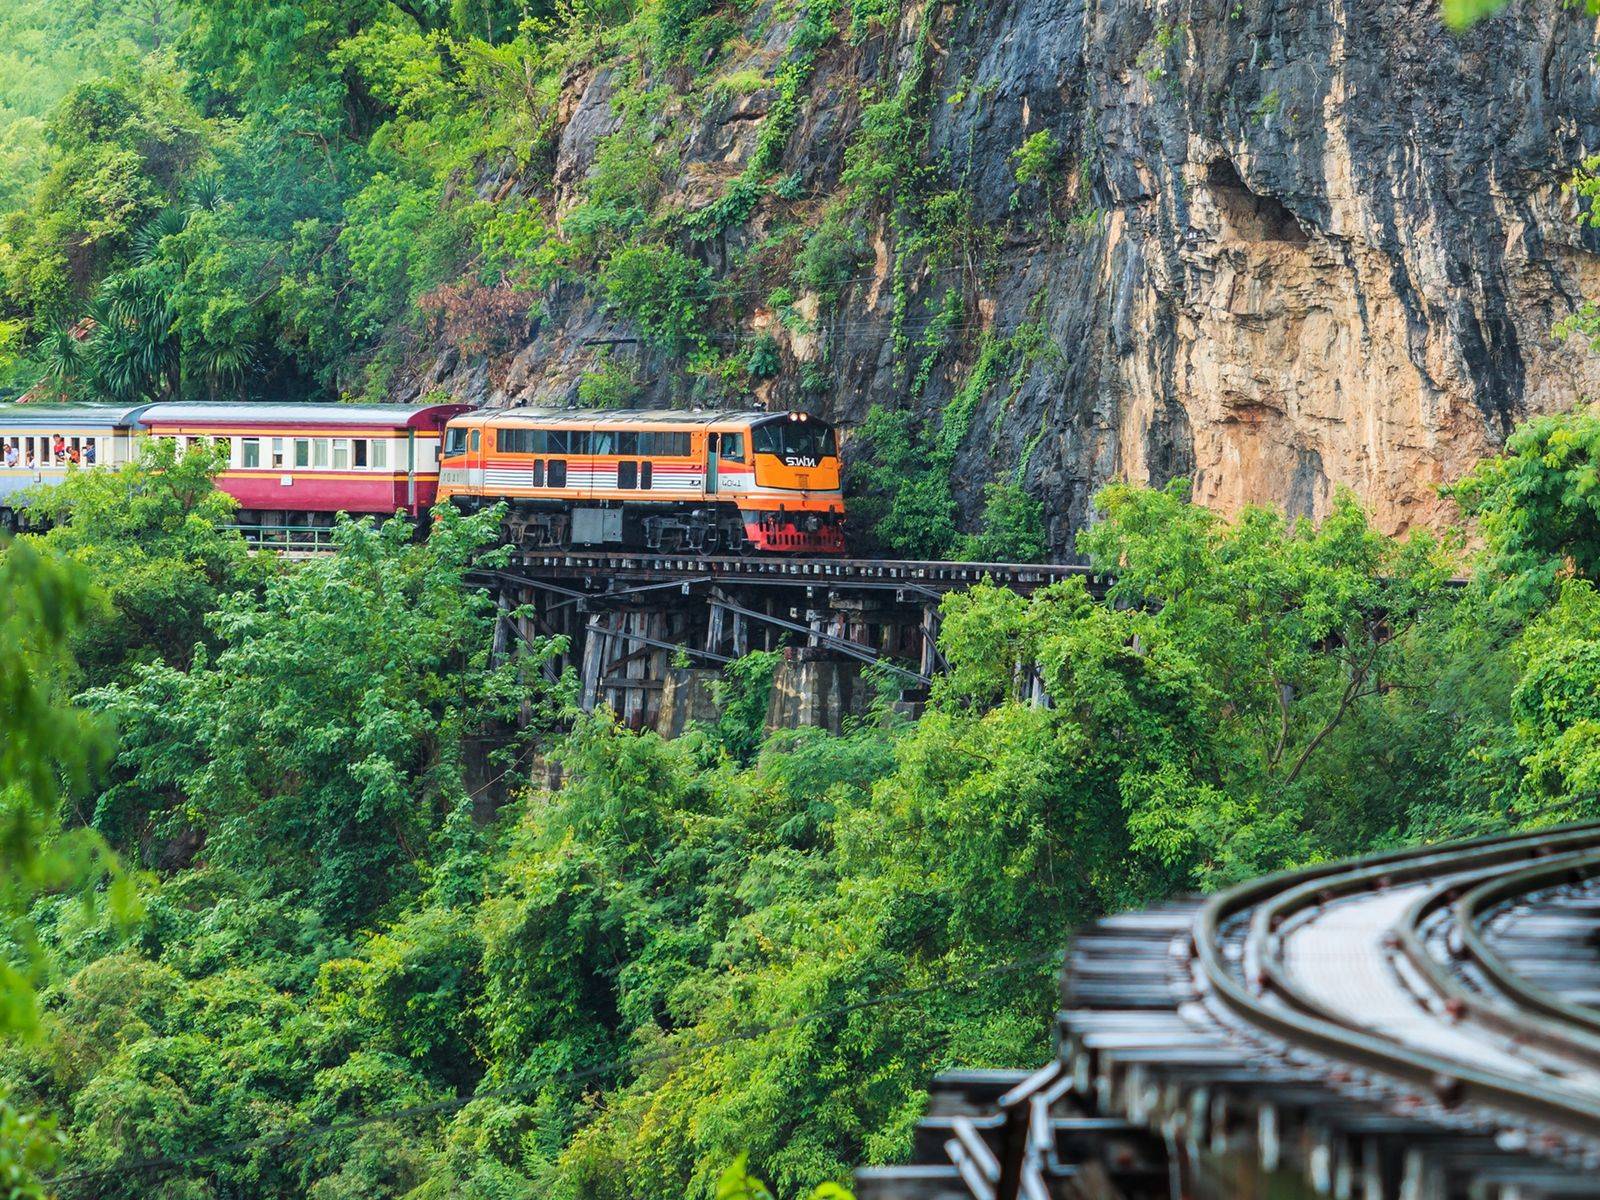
x: 151, y: 536
x: 1537, y: 506
x: 122, y: 148
x: 663, y: 292
x: 48, y: 754
x: 321, y: 745
x: 1013, y: 530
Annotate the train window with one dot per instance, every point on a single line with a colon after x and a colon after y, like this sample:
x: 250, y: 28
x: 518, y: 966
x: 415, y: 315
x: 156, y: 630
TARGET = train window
x: 602, y: 441
x: 379, y: 455
x: 627, y: 442
x: 627, y: 476
x: 556, y: 441
x: 520, y: 441
x: 302, y: 452
x: 538, y: 473
x: 455, y: 442
x: 319, y: 452
x: 646, y: 475
x: 578, y: 441
x: 341, y: 454
x: 476, y: 440
x: 250, y: 453
x: 733, y: 447
x: 558, y: 472
x: 664, y: 445
x: 277, y: 452
x: 359, y: 448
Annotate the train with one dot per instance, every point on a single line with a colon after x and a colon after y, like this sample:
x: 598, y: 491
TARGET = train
x: 734, y: 482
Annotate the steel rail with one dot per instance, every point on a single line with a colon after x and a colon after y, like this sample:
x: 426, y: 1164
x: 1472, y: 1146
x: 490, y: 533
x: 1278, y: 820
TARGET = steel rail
x: 1292, y: 1021
x: 1471, y: 910
x: 1503, y: 1007
x: 1504, y: 1012
x: 924, y: 574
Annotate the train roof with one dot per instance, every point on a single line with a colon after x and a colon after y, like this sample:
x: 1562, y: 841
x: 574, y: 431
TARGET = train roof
x: 248, y: 413
x: 624, y: 416
x: 47, y: 415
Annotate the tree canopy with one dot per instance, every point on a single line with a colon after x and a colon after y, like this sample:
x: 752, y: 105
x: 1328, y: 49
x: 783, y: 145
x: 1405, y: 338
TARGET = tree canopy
x: 736, y: 943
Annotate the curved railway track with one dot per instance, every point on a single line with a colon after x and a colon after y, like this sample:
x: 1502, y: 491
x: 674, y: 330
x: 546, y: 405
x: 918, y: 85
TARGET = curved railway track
x: 1420, y: 1025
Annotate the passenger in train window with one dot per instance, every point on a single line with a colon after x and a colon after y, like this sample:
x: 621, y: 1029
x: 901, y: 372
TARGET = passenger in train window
x: 58, y: 448
x: 11, y: 454
x: 88, y: 451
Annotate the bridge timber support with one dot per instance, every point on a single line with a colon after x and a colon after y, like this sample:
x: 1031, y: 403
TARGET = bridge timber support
x: 646, y: 634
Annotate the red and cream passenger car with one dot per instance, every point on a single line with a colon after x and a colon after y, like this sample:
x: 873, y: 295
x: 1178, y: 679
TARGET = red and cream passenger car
x: 302, y: 463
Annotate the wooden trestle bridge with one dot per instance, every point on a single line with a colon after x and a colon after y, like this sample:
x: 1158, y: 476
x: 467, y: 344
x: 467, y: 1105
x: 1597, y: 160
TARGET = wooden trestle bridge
x: 642, y: 629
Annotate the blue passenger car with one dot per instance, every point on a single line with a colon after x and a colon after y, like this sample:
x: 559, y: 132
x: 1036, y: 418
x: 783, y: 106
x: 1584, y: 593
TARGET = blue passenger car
x: 48, y: 440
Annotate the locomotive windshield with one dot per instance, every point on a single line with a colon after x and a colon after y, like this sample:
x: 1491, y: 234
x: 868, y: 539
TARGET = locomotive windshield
x: 455, y: 441
x: 795, y: 443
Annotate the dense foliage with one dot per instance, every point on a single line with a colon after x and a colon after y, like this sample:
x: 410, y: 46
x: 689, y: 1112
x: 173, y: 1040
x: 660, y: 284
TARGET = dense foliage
x: 369, y: 959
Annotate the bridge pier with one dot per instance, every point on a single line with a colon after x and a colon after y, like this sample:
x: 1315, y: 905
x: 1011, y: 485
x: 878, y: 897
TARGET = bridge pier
x: 817, y: 690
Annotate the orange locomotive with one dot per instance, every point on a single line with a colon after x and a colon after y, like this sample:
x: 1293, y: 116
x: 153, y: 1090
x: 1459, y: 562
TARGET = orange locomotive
x: 733, y: 482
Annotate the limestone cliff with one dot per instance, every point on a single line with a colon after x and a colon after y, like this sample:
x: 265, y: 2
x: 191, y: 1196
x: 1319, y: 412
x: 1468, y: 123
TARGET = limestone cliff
x: 1280, y: 246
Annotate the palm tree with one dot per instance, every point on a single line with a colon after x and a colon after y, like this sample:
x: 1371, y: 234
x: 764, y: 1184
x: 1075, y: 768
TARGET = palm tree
x: 148, y: 238
x: 61, y: 353
x: 224, y: 363
x: 134, y: 351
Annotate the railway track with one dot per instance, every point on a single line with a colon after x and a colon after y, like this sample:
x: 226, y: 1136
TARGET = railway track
x: 1420, y: 1025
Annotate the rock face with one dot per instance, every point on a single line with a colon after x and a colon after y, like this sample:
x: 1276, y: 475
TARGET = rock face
x: 1281, y: 247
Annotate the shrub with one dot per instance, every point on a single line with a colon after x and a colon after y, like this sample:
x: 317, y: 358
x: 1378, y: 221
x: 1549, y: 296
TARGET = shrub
x: 830, y: 257
x: 1036, y: 157
x: 1013, y: 527
x: 663, y: 292
x: 610, y: 383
